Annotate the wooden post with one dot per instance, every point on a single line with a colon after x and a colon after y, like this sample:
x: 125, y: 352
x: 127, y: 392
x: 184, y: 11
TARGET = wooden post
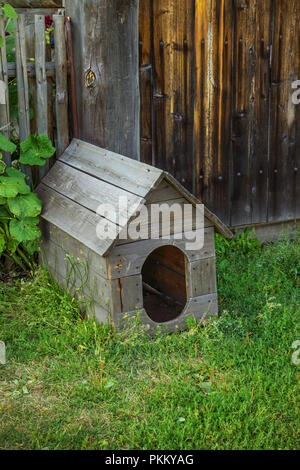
x: 105, y: 37
x: 41, y: 78
x: 22, y: 81
x: 61, y: 84
x: 4, y: 106
x: 41, y: 82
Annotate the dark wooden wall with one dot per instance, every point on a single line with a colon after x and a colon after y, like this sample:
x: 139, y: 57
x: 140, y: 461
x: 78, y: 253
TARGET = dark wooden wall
x: 216, y: 102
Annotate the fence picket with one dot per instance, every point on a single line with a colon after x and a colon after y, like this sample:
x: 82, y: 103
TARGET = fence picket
x: 22, y: 79
x: 22, y: 82
x: 41, y: 81
x: 61, y: 84
x: 32, y: 84
x: 4, y: 106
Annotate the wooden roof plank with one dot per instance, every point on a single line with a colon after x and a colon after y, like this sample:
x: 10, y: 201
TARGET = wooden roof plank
x: 92, y: 193
x: 120, y: 171
x: 79, y: 222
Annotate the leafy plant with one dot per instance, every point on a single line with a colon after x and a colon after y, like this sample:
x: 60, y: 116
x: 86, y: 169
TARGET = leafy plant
x: 35, y: 150
x: 9, y: 13
x: 19, y: 207
x: 11, y: 57
x: 246, y: 243
x: 10, y: 41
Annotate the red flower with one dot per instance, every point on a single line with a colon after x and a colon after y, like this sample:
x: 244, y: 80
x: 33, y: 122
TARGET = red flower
x: 48, y: 21
x: 7, y: 33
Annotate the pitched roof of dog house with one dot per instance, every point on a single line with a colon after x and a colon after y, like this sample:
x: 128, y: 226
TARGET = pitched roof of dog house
x: 86, y: 177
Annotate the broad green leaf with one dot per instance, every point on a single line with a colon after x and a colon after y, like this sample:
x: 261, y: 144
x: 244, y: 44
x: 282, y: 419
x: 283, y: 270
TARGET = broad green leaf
x: 29, y: 143
x: 45, y: 146
x: 6, y: 144
x: 25, y: 229
x: 2, y: 167
x: 3, y: 201
x: 31, y: 247
x: 35, y: 149
x: 12, y: 186
x: 32, y: 159
x: 1, y: 155
x: 25, y: 206
x: 1, y: 41
x: 9, y: 11
x: 10, y: 171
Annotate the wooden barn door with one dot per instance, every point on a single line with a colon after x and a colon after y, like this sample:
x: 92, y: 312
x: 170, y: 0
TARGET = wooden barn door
x: 216, y: 102
x: 166, y: 83
x: 284, y: 184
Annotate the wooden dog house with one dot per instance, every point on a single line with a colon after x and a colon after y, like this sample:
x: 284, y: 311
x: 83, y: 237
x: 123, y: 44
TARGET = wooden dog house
x: 117, y: 276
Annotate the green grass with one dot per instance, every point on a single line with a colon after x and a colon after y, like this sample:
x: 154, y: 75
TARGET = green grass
x: 72, y: 384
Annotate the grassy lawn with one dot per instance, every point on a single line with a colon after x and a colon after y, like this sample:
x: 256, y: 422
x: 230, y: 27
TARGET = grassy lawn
x: 72, y: 384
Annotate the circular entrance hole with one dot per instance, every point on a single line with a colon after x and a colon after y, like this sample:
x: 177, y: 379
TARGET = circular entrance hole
x: 164, y: 284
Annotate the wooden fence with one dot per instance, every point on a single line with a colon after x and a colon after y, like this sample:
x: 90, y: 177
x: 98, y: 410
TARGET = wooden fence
x: 215, y: 87
x: 40, y: 75
x: 216, y: 102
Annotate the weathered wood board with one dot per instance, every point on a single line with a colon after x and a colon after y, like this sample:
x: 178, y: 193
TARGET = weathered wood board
x: 284, y: 184
x: 105, y: 37
x: 126, y: 260
x: 232, y: 62
x: 61, y: 99
x: 204, y: 308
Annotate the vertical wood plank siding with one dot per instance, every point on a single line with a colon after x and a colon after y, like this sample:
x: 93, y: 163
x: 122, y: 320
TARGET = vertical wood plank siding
x: 61, y: 84
x: 146, y: 79
x: 22, y: 79
x: 284, y: 142
x: 173, y: 39
x: 22, y: 82
x: 216, y: 102
x: 213, y: 49
x: 41, y: 78
x: 41, y: 83
x: 250, y: 112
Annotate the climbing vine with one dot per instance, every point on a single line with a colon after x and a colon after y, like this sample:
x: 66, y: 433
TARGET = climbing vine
x: 19, y: 206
